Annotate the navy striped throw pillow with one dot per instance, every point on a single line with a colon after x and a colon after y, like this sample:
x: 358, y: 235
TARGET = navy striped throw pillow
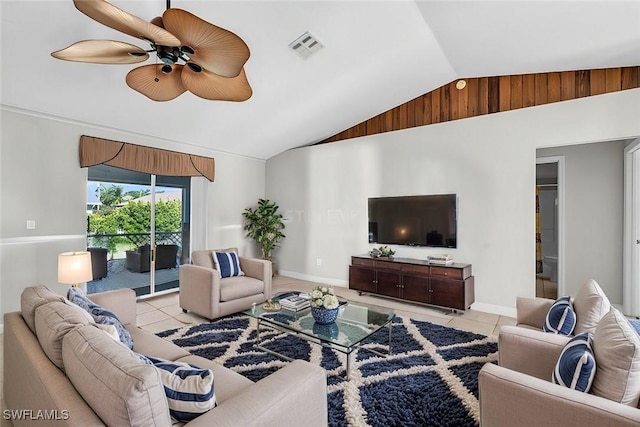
x: 227, y: 264
x: 561, y: 319
x: 576, y: 366
x: 189, y: 389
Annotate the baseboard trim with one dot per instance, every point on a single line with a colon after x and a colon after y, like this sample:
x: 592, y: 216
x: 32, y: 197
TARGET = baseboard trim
x: 494, y: 309
x: 317, y: 279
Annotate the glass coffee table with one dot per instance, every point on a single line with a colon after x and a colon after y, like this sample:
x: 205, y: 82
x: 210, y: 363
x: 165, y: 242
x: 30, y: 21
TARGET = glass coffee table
x: 355, y: 323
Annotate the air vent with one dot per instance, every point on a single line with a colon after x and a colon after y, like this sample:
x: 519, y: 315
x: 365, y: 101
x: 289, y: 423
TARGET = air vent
x: 306, y: 45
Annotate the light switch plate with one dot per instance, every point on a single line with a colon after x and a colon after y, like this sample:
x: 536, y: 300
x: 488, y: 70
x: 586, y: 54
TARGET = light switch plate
x: 31, y: 224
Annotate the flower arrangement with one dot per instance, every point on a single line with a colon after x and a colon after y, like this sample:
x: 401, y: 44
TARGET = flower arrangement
x: 323, y: 297
x: 382, y: 251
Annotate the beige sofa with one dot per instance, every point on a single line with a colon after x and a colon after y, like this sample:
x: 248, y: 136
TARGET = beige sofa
x: 519, y: 392
x: 73, y: 373
x: 203, y: 292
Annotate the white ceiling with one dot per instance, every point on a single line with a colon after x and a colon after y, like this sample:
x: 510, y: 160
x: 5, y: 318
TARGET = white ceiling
x: 377, y: 55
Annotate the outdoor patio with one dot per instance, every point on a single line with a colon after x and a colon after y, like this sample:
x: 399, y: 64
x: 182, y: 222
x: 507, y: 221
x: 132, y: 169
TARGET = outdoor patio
x: 119, y: 277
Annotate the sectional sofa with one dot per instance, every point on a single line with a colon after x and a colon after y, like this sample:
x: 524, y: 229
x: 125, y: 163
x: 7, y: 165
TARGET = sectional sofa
x: 60, y: 366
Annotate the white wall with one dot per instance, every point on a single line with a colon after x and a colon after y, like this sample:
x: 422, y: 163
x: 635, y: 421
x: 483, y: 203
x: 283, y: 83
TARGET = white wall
x: 41, y: 180
x: 594, y: 201
x: 488, y: 161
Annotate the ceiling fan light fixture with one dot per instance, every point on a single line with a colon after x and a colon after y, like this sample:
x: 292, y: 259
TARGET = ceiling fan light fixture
x: 187, y: 50
x: 194, y: 67
x: 214, y: 57
x: 166, y: 55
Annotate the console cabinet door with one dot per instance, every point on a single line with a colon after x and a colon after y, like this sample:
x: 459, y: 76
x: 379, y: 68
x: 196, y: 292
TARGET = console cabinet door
x: 362, y: 279
x: 416, y: 288
x: 388, y: 283
x: 447, y: 293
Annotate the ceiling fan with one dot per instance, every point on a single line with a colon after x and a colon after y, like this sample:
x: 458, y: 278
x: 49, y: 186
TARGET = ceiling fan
x: 213, y: 57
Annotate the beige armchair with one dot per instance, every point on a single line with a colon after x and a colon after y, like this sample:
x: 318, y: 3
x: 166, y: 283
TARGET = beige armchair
x: 203, y: 292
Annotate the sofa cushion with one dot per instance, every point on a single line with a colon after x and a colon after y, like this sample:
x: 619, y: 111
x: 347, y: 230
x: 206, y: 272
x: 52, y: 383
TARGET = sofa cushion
x: 118, y: 386
x: 151, y: 345
x: 32, y: 298
x: 189, y: 389
x: 616, y: 347
x: 576, y: 366
x: 101, y: 315
x: 590, y: 305
x: 53, y: 321
x: 234, y: 288
x: 561, y: 319
x: 227, y: 264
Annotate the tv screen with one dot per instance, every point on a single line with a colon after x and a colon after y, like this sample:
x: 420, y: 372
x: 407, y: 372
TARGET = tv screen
x: 414, y: 220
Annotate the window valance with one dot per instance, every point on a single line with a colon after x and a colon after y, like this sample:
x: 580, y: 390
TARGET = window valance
x: 95, y: 151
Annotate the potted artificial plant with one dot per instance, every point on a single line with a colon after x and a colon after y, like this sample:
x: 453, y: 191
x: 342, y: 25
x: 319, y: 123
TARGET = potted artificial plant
x: 264, y: 225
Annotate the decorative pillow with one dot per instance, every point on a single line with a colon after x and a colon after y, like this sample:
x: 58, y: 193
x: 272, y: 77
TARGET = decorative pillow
x: 590, y: 305
x: 227, y: 264
x: 101, y: 315
x: 189, y: 389
x: 576, y: 366
x: 561, y: 319
x: 616, y: 347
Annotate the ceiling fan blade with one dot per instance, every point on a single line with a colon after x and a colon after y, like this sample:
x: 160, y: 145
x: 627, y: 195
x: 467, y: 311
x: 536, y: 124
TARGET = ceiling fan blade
x: 208, y: 85
x: 167, y: 87
x: 216, y: 49
x: 116, y: 18
x: 102, y: 52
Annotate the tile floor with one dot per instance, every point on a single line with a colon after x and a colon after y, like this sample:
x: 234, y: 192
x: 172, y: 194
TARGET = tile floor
x: 163, y: 312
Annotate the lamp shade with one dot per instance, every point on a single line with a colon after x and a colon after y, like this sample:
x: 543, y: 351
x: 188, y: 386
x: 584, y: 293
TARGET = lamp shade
x: 74, y: 268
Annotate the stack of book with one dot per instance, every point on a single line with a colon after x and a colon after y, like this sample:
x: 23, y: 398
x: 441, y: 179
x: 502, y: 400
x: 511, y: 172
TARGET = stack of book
x: 441, y: 259
x: 295, y: 303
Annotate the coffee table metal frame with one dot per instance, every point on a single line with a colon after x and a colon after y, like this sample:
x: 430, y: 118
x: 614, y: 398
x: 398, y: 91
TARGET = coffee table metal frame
x: 257, y: 313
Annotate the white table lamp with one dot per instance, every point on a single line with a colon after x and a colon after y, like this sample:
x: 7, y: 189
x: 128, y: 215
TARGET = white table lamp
x: 74, y: 268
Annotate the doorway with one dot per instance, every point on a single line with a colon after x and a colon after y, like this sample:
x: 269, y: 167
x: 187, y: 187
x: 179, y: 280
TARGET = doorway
x: 137, y: 229
x: 549, y: 227
x: 631, y: 250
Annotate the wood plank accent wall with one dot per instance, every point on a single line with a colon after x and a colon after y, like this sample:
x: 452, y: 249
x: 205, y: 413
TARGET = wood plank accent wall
x: 488, y: 95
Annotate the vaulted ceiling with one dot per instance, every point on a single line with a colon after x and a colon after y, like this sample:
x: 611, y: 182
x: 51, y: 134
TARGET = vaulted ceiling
x: 377, y: 55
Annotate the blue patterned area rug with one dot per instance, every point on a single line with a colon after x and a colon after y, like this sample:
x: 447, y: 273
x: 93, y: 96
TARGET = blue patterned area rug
x: 430, y: 378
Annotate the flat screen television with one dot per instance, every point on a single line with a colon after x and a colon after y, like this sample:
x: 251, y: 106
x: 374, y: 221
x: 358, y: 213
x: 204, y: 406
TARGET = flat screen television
x: 429, y: 220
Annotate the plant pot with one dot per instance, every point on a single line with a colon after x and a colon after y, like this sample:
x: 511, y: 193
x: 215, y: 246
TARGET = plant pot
x: 324, y: 316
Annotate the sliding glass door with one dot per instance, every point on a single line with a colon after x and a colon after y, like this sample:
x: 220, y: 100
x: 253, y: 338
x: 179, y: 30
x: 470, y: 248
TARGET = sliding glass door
x: 137, y: 229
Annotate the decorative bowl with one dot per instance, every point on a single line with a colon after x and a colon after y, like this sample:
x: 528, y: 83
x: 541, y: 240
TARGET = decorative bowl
x: 324, y: 316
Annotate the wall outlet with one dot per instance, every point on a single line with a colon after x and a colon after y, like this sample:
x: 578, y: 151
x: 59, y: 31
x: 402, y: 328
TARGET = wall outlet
x: 31, y: 224
x: 318, y: 261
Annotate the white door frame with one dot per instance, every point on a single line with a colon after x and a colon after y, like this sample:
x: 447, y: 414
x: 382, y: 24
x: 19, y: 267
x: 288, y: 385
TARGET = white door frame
x: 561, y: 195
x: 631, y: 249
